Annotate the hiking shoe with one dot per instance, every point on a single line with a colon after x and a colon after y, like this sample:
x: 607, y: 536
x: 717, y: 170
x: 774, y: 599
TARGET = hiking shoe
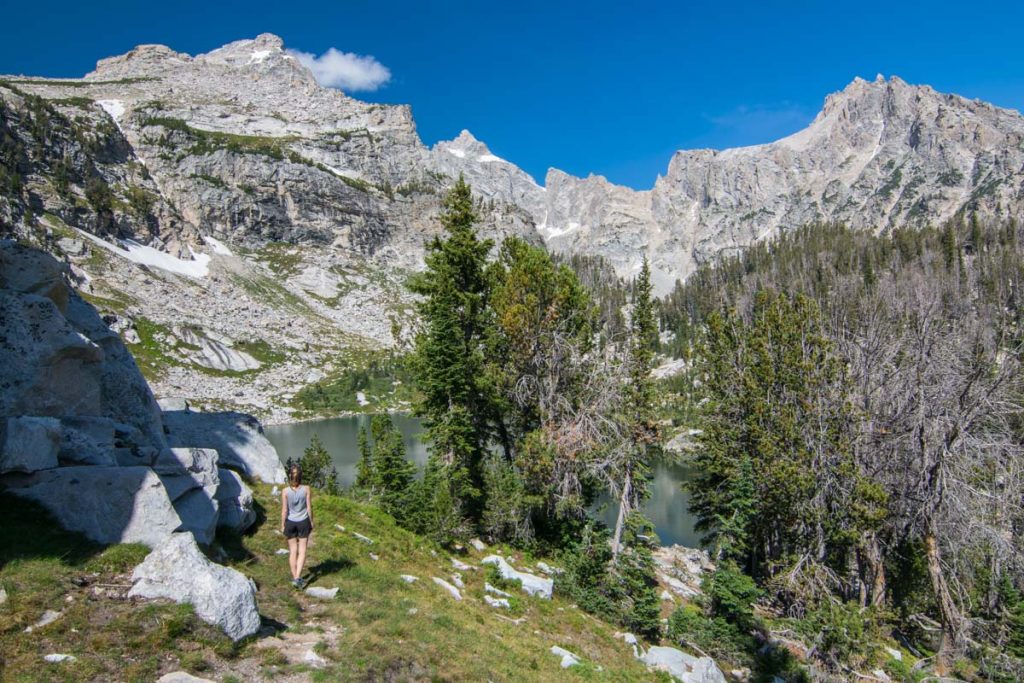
x: 297, y: 584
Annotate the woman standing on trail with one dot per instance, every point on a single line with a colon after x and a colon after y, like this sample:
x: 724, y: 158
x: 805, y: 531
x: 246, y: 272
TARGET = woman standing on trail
x: 296, y: 522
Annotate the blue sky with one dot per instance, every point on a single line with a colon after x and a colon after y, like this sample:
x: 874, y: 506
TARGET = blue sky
x: 597, y: 87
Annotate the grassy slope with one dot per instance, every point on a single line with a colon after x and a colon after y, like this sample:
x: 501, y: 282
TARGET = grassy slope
x: 378, y: 628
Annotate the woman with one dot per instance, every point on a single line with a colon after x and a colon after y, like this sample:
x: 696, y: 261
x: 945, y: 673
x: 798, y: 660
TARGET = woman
x: 296, y: 522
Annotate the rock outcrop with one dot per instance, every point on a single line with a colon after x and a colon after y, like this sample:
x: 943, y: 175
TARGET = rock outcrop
x: 178, y: 570
x: 683, y: 667
x: 237, y: 438
x: 531, y: 584
x: 80, y: 431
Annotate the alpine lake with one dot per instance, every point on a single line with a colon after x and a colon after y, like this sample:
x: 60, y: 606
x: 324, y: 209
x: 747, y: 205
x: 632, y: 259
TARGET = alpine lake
x: 667, y: 507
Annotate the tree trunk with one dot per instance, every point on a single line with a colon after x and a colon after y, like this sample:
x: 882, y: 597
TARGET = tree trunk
x: 620, y: 521
x: 949, y: 613
x: 873, y: 554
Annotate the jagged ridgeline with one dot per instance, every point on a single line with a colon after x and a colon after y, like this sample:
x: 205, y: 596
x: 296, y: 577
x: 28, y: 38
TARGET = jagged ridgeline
x: 280, y: 219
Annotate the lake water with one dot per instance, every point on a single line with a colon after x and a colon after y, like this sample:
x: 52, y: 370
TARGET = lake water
x: 666, y: 508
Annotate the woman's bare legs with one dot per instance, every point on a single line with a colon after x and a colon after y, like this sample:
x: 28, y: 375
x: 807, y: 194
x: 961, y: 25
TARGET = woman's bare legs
x: 293, y: 545
x: 301, y: 559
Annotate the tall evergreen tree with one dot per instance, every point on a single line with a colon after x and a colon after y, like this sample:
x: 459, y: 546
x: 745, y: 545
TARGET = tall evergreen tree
x: 448, y: 362
x: 641, y: 425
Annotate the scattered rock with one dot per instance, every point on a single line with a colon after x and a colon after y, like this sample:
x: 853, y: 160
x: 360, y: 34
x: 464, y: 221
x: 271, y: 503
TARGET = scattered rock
x: 29, y: 444
x: 894, y: 654
x: 457, y: 580
x: 364, y: 539
x: 478, y: 545
x: 178, y: 570
x: 276, y: 493
x: 497, y: 602
x: 181, y: 677
x: 667, y: 597
x: 49, y: 616
x: 682, y: 666
x: 58, y: 658
x: 173, y: 404
x: 281, y: 551
x: 740, y: 675
x: 549, y: 570
x: 411, y: 611
x: 322, y: 593
x: 336, y: 526
x: 314, y: 660
x: 533, y: 585
x: 497, y: 591
x: 461, y: 566
x: 409, y: 578
x: 448, y: 587
x: 881, y: 675
x: 374, y: 556
x: 568, y: 658
x: 3, y: 596
x: 682, y: 569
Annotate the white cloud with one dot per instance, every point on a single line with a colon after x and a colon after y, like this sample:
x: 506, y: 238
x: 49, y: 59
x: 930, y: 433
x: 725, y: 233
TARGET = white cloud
x: 345, y: 70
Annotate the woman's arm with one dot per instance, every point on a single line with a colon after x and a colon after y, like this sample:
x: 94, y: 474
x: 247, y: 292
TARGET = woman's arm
x: 309, y: 506
x: 284, y: 508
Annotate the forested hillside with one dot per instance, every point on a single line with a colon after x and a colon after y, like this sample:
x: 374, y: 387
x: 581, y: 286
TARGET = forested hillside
x: 861, y: 461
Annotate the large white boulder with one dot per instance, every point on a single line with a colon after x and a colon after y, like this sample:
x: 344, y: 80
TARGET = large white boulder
x: 29, y: 444
x: 237, y: 438
x: 178, y: 570
x: 106, y: 504
x: 682, y: 666
x: 532, y: 584
x: 235, y: 502
x: 192, y: 479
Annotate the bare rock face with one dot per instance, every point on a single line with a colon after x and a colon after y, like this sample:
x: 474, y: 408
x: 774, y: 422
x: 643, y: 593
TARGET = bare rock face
x: 235, y: 502
x: 880, y: 154
x: 682, y: 666
x: 237, y: 438
x: 58, y: 357
x: 178, y: 570
x: 106, y: 504
x: 29, y: 444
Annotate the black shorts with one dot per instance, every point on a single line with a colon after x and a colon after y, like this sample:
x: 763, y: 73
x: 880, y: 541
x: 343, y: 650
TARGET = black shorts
x: 297, y: 529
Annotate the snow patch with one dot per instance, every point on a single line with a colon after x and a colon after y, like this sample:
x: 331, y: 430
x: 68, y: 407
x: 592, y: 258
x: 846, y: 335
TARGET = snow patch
x: 115, y: 108
x: 550, y: 233
x: 259, y: 55
x: 490, y: 158
x: 198, y: 267
x: 218, y: 246
x: 456, y: 152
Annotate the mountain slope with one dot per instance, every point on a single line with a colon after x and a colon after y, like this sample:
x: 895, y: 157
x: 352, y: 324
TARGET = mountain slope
x: 282, y: 217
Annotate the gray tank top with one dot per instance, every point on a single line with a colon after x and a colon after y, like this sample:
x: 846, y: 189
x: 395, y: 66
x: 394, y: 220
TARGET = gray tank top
x: 296, y: 503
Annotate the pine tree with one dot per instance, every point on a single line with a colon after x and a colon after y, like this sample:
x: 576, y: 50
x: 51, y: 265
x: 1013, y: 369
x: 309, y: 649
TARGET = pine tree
x: 448, y: 361
x: 318, y: 467
x: 392, y: 473
x: 641, y: 424
x: 365, y: 468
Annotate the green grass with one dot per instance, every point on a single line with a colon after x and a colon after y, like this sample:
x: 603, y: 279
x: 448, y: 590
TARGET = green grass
x: 206, y: 142
x: 42, y: 566
x: 150, y: 354
x: 378, y: 628
x: 443, y: 639
x: 384, y: 381
x: 82, y: 84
